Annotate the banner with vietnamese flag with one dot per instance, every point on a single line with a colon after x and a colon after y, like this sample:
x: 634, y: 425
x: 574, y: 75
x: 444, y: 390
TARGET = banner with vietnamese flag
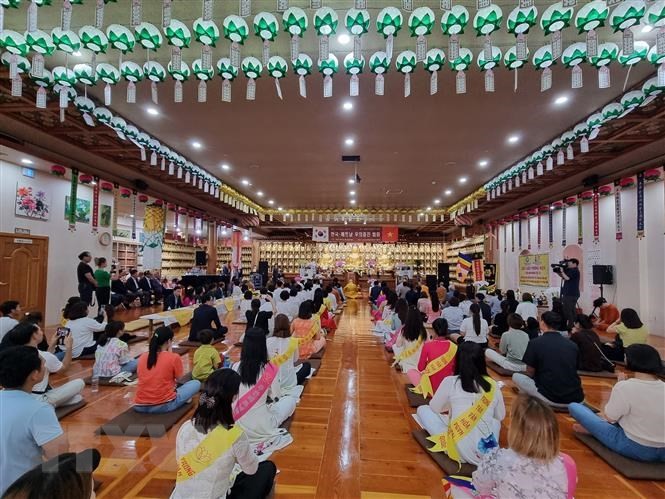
x: 389, y: 234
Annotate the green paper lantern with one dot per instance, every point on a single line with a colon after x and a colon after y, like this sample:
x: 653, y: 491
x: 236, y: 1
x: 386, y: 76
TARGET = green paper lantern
x: 226, y: 70
x: 13, y: 42
x: 543, y: 57
x: 379, y: 63
x: 640, y: 51
x: 484, y: 64
x: 389, y: 21
x: 148, y: 36
x: 591, y: 16
x: 612, y: 111
x: 463, y: 61
x: 353, y: 66
x: 84, y: 105
x: 567, y: 138
x: 108, y: 73
x: 580, y: 130
x: 510, y: 59
x: 555, y: 18
x: 251, y: 67
x: 277, y: 67
x: 201, y: 73
x: 177, y: 34
x: 626, y: 14
x: 266, y: 26
x: 10, y: 4
x: 406, y: 61
x: 143, y: 139
x: 120, y: 38
x: 651, y: 88
x: 22, y: 64
x: 574, y: 55
x: 206, y: 32
x: 45, y: 80
x: 131, y: 71
x: 65, y: 41
x: 63, y: 76
x: 655, y: 15
x: 357, y: 21
x: 520, y: 20
x: 93, y: 39
x: 594, y: 121
x: 85, y: 74
x: 130, y: 131
x: 454, y: 21
x: 632, y: 99
x: 653, y: 56
x: 181, y: 74
x: 294, y: 21
x: 303, y: 64
x: 488, y: 20
x: 607, y: 52
x: 39, y: 42
x: 434, y: 60
x: 325, y: 21
x: 330, y: 66
x: 235, y: 29
x: 421, y: 21
x: 154, y: 71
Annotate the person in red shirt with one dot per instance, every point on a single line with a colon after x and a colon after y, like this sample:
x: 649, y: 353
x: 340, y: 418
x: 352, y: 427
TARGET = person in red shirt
x: 158, y: 369
x: 436, y: 347
x: 607, y: 314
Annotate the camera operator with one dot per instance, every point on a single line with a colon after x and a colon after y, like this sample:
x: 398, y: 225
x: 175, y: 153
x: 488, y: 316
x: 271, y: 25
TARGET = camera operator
x: 570, y: 291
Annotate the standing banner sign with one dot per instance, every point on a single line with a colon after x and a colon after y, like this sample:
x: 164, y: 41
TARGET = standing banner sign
x: 534, y: 270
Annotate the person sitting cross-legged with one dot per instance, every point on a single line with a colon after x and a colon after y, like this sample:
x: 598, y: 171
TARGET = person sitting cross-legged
x: 436, y: 362
x: 511, y: 347
x: 551, y: 360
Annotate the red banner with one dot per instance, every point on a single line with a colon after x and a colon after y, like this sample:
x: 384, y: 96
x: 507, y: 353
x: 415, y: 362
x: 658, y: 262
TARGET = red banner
x: 95, y: 206
x: 479, y: 270
x: 389, y: 234
x: 362, y: 234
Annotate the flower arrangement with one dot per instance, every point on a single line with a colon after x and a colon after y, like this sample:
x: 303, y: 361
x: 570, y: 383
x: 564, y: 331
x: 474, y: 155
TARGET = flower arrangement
x: 543, y: 208
x: 339, y: 264
x: 86, y: 179
x: 31, y: 204
x: 106, y: 186
x: 524, y: 215
x: 58, y: 170
x: 171, y: 206
x: 371, y: 263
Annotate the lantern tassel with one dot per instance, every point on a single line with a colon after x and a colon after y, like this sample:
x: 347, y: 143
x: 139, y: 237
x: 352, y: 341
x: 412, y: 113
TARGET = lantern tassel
x: 379, y: 85
x: 421, y: 48
x: 302, y: 86
x: 40, y: 101
x: 251, y: 89
x: 489, y: 81
x: 354, y: 86
x: 177, y: 91
x: 453, y: 47
x: 434, y: 83
x: 661, y: 75
x: 206, y: 57
x: 32, y: 17
x: 407, y: 84
x: 324, y: 47
x: 17, y: 86
x: 131, y: 92
x: 66, y: 16
x: 99, y: 14
x: 37, y: 66
x: 245, y: 8
x: 460, y: 83
x: 202, y: 94
x: 295, y: 47
x: 226, y: 91
x: 278, y: 88
x: 266, y: 52
x: 154, y: 96
x: 327, y: 86
x: 390, y: 42
x: 235, y: 54
x: 591, y: 44
x: 546, y: 79
x: 107, y: 95
x: 576, y: 76
x: 166, y: 13
x: 604, y: 77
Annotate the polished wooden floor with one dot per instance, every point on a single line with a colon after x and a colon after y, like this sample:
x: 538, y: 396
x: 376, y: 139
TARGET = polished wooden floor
x: 351, y: 432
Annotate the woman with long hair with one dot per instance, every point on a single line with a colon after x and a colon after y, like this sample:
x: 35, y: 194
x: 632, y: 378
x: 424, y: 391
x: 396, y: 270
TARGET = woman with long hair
x: 213, y: 431
x: 306, y: 326
x: 112, y: 354
x: 469, y: 387
x: 410, y: 341
x: 158, y: 369
x: 290, y: 376
x: 437, y: 359
x: 259, y: 419
x: 512, y: 301
x: 474, y: 328
x: 629, y: 330
x: 398, y: 319
x: 434, y: 311
x: 319, y: 308
x: 500, y: 321
x: 383, y: 324
x: 590, y: 356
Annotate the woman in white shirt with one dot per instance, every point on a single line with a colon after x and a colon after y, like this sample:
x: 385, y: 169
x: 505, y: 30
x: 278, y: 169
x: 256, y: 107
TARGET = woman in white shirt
x: 82, y: 329
x: 410, y: 341
x: 635, y: 421
x: 527, y: 308
x: 290, y: 377
x: 474, y: 328
x: 456, y: 394
x: 212, y: 431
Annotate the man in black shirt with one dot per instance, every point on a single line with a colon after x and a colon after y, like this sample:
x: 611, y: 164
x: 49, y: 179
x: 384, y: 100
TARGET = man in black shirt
x: 485, y: 309
x: 374, y: 291
x: 570, y: 291
x: 412, y: 295
x: 85, y: 277
x: 551, y: 360
x: 205, y: 315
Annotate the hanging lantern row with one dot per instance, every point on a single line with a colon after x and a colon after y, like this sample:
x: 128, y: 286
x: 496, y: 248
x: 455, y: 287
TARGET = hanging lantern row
x: 561, y: 149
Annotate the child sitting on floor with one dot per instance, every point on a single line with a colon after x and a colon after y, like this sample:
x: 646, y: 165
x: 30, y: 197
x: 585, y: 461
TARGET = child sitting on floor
x: 245, y: 306
x: 112, y: 354
x: 206, y: 357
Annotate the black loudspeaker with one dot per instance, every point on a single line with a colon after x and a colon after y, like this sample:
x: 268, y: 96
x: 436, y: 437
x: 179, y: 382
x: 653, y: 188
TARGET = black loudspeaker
x: 444, y: 273
x: 201, y: 258
x: 431, y: 282
x: 263, y: 270
x: 603, y: 274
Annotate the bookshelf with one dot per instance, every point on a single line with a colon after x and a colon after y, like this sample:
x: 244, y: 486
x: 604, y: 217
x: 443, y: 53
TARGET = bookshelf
x: 472, y: 246
x: 177, y: 258
x: 125, y: 255
x: 224, y: 256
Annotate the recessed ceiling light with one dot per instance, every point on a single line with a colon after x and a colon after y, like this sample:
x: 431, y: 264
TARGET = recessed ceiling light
x: 647, y: 29
x: 152, y: 111
x: 352, y: 181
x: 343, y: 38
x: 259, y: 194
x: 483, y: 163
x: 513, y: 139
x: 462, y: 180
x: 26, y: 161
x: 279, y: 208
x: 271, y: 201
x: 349, y: 141
x: 196, y: 144
x: 353, y: 201
x: 352, y: 193
x: 562, y: 99
x: 448, y: 192
x: 437, y: 201
x: 225, y: 167
x: 429, y: 208
x: 348, y: 106
x: 76, y: 53
x: 245, y: 182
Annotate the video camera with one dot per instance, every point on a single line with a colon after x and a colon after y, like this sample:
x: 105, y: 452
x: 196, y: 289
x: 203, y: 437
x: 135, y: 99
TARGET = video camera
x: 559, y: 267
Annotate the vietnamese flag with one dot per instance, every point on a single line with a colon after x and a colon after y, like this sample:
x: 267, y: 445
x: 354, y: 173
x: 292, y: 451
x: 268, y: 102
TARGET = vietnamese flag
x: 389, y: 234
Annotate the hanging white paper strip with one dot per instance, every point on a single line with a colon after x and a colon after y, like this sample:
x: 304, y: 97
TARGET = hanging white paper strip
x: 460, y: 82
x: 354, y: 86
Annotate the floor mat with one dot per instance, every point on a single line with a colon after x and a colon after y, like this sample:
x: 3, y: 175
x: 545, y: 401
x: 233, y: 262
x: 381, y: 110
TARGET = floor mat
x: 318, y: 355
x: 500, y: 370
x: 135, y: 424
x: 448, y: 466
x: 90, y: 356
x: 137, y: 339
x: 196, y: 344
x: 415, y: 399
x: 136, y: 325
x: 315, y: 364
x: 66, y: 410
x: 635, y: 470
x: 597, y: 374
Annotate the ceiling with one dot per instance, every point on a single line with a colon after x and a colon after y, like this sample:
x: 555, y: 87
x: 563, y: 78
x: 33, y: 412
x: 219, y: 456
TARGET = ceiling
x: 412, y: 149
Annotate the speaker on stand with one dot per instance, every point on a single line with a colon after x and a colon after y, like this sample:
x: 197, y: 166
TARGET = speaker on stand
x: 444, y: 273
x: 201, y: 258
x: 602, y: 275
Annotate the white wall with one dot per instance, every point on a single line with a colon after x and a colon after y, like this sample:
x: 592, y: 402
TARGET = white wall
x: 639, y: 268
x: 64, y: 246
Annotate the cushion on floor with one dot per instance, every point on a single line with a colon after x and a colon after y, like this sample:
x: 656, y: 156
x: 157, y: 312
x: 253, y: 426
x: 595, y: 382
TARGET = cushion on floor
x: 564, y: 407
x: 196, y: 344
x: 180, y: 350
x: 90, y: 356
x: 132, y: 326
x: 415, y: 399
x: 315, y: 364
x: 500, y: 370
x: 135, y: 424
x: 106, y: 381
x: 597, y: 374
x: 319, y: 354
x: 66, y: 410
x: 138, y: 338
x: 188, y: 377
x: 635, y: 470
x: 448, y: 466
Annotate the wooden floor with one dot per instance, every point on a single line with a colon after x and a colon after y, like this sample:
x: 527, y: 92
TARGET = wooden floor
x: 351, y: 432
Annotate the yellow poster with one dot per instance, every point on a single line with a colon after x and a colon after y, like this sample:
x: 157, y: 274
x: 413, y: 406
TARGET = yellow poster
x: 535, y: 270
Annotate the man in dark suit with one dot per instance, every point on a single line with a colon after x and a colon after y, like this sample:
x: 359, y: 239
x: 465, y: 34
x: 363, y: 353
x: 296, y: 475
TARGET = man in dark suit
x: 204, y: 316
x: 374, y: 291
x: 134, y: 287
x: 174, y: 300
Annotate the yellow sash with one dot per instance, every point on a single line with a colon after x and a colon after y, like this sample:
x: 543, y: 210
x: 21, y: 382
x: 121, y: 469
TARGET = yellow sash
x: 213, y: 446
x: 281, y: 358
x: 408, y: 352
x: 315, y: 329
x: 462, y: 425
x: 433, y: 367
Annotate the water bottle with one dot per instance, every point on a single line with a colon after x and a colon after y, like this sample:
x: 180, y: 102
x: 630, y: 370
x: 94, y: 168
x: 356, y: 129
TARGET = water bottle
x: 227, y: 361
x: 94, y: 385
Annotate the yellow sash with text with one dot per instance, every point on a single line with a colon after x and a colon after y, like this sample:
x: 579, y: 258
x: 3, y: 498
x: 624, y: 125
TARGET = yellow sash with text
x: 405, y: 354
x: 282, y: 358
x: 212, y: 447
x: 425, y: 386
x: 462, y: 425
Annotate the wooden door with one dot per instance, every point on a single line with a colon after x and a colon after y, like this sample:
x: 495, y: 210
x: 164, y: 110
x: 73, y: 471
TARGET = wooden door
x: 23, y: 265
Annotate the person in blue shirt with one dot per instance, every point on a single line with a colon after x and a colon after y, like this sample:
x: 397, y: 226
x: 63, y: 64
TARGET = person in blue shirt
x: 30, y: 431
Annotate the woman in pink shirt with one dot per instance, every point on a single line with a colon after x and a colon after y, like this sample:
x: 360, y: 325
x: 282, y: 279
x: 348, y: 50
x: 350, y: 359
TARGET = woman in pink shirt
x: 436, y: 347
